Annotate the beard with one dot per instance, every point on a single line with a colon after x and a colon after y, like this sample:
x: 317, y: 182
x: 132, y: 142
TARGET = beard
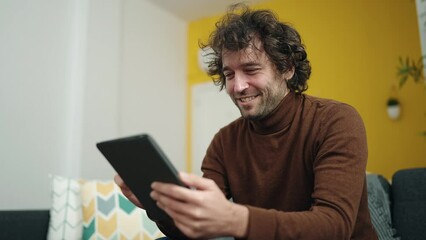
x: 266, y: 102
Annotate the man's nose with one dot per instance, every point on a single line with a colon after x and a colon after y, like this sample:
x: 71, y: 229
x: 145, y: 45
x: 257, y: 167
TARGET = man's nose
x: 240, y: 83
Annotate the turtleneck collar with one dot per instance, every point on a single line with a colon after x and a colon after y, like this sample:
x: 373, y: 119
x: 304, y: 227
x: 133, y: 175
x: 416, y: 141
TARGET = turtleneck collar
x: 279, y: 118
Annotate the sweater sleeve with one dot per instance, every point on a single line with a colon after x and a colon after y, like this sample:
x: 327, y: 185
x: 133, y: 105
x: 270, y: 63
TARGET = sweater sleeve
x: 339, y: 178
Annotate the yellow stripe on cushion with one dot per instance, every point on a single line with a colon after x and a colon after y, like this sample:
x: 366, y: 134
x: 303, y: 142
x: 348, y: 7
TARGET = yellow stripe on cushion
x: 138, y: 237
x: 122, y: 237
x: 88, y: 192
x: 105, y: 188
x: 147, y: 237
x: 89, y: 211
x: 106, y: 227
x: 130, y: 225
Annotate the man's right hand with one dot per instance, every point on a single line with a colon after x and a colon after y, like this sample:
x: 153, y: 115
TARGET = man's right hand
x: 126, y: 191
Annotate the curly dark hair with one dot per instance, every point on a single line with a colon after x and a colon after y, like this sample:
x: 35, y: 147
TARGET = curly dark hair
x: 281, y: 42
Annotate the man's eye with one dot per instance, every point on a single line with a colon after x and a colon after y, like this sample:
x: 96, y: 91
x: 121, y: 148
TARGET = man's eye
x: 252, y: 71
x: 228, y: 76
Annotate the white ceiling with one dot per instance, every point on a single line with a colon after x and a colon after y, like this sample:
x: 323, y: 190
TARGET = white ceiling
x: 190, y: 10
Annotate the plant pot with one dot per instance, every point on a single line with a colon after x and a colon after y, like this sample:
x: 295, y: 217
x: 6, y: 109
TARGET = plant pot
x: 394, y: 111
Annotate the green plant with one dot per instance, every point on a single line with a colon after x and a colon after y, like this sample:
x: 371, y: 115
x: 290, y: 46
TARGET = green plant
x: 409, y: 68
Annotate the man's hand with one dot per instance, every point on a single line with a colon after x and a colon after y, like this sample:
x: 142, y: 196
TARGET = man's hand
x: 202, y: 211
x: 126, y: 191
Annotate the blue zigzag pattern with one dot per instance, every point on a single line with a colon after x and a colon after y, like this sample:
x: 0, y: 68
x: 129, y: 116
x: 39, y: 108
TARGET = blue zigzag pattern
x: 130, y: 222
x: 106, y: 206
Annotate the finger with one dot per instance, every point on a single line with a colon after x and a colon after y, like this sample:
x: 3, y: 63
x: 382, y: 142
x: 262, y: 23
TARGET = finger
x: 132, y: 198
x: 197, y: 182
x: 182, y: 200
x: 194, y: 229
x: 167, y: 203
x: 182, y: 218
x: 126, y: 191
x: 190, y: 229
x: 119, y: 181
x: 173, y: 191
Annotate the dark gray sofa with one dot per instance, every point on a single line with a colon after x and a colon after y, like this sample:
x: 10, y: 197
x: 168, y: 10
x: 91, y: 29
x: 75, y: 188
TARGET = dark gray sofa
x: 398, y: 209
x: 406, y: 196
x: 409, y: 203
x: 24, y: 224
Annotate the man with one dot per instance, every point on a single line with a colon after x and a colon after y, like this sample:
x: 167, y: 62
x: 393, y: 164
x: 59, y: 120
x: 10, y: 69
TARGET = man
x: 294, y: 165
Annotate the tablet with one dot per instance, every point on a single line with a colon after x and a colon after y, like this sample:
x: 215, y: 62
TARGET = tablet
x: 139, y: 161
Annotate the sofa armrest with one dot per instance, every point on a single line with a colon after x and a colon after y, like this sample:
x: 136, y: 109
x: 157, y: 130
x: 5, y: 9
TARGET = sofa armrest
x: 24, y: 224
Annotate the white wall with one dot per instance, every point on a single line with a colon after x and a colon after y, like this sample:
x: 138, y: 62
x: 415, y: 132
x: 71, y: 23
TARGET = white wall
x: 74, y: 72
x: 153, y: 92
x: 100, y: 117
x: 35, y: 76
x: 207, y: 101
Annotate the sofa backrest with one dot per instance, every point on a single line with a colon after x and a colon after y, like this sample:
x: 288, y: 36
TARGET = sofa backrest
x: 409, y: 203
x: 24, y: 224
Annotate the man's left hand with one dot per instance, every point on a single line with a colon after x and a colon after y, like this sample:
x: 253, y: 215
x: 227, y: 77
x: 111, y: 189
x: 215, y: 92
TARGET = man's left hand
x: 200, y: 211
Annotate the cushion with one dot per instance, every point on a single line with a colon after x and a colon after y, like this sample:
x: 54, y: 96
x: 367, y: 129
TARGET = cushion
x: 107, y: 214
x: 65, y: 212
x: 379, y: 206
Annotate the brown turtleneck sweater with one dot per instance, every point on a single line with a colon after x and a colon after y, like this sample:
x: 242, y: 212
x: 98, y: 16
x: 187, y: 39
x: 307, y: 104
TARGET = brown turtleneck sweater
x: 300, y: 171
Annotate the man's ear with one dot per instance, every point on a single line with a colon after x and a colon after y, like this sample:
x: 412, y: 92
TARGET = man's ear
x: 289, y: 74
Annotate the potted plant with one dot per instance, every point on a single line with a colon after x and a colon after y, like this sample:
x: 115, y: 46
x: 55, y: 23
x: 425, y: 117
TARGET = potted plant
x: 393, y: 108
x: 409, y: 68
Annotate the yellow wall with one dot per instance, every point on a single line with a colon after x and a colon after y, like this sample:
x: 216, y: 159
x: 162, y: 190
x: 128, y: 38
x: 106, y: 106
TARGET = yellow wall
x: 353, y: 46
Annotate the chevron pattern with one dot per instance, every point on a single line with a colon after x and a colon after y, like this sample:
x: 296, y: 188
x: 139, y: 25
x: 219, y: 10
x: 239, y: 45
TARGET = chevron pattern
x: 107, y: 214
x: 66, y: 212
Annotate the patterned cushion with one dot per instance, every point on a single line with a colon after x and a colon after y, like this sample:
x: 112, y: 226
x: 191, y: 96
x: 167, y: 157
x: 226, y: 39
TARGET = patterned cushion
x: 379, y: 206
x: 66, y: 212
x: 107, y: 214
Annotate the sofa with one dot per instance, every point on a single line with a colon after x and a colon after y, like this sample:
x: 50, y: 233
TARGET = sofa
x: 398, y: 210
x: 80, y: 209
x: 398, y: 207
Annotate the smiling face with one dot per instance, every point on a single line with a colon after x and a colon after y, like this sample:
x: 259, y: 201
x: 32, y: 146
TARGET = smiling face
x: 252, y: 81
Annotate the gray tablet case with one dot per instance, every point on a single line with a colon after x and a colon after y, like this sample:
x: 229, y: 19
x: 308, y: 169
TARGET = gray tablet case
x: 139, y: 161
